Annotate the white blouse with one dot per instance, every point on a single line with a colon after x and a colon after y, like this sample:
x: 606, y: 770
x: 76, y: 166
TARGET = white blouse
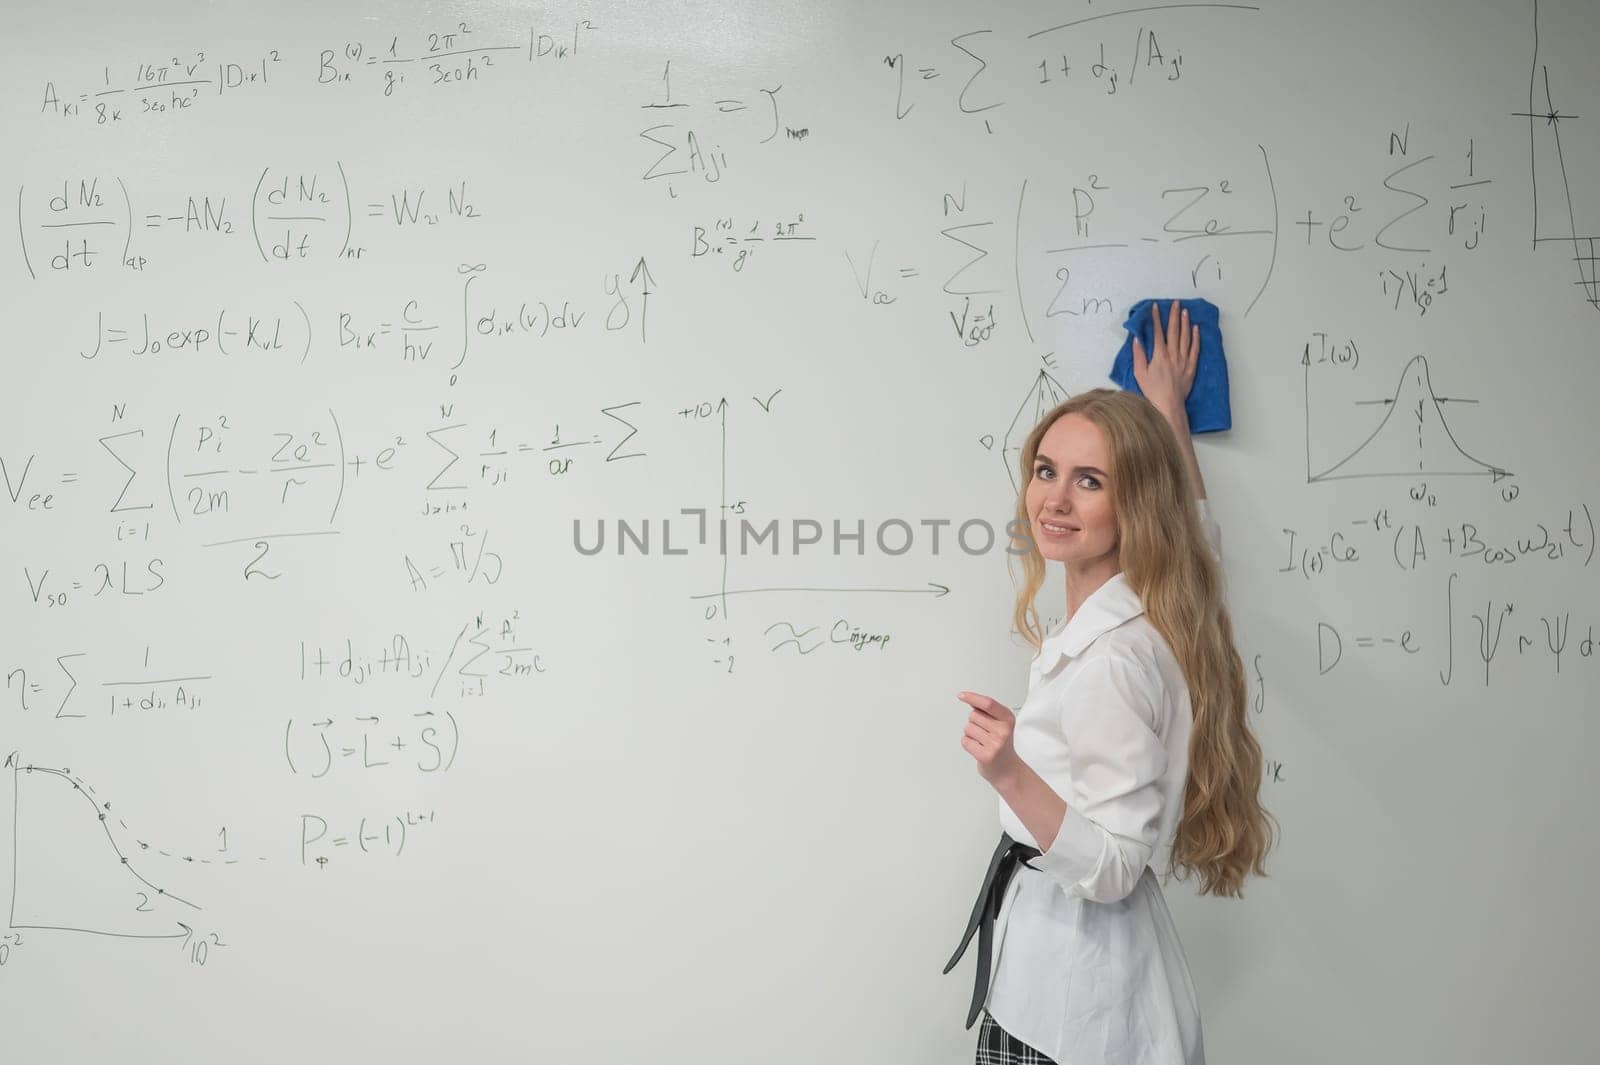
x: 1087, y: 966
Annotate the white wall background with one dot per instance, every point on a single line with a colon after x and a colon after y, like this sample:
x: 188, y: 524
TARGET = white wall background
x: 257, y: 448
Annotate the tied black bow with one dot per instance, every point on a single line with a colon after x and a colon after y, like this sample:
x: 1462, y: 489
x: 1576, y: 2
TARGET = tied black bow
x: 986, y: 910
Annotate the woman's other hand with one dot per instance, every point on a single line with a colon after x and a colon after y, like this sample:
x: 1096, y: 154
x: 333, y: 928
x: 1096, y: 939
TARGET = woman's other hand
x: 1166, y: 375
x: 988, y: 737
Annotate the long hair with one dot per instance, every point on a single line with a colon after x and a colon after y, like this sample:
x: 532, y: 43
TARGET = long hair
x: 1225, y: 832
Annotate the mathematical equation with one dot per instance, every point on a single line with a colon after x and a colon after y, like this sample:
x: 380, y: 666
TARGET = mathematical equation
x: 449, y: 57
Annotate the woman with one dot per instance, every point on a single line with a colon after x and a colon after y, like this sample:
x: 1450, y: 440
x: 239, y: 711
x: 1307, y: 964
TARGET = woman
x: 1133, y: 738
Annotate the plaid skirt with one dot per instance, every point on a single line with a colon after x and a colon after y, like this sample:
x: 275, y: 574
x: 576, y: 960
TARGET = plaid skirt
x: 996, y: 1046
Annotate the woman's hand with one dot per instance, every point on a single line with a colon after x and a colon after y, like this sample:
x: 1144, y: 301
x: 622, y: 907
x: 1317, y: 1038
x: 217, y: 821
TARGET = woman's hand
x: 1166, y: 376
x: 988, y: 737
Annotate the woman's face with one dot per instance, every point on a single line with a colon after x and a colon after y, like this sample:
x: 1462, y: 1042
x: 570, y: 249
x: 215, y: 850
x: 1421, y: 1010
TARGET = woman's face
x: 1069, y: 495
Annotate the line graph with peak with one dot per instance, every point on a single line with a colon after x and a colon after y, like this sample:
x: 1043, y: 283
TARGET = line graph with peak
x: 70, y: 872
x: 1413, y: 437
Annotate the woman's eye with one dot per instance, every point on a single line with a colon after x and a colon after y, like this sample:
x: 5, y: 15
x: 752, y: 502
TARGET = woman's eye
x: 1090, y: 479
x: 1041, y: 471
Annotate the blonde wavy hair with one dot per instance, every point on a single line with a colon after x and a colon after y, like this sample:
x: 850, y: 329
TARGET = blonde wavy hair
x: 1225, y: 832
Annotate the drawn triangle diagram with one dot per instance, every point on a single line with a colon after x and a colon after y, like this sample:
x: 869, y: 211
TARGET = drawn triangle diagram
x: 1412, y: 440
x: 72, y: 873
x: 1043, y: 396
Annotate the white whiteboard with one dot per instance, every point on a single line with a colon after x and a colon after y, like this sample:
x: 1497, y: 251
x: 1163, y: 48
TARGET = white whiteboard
x: 325, y: 324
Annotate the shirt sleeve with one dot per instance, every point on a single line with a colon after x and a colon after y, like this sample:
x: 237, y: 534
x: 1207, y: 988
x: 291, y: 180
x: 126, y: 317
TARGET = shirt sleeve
x: 1213, y: 531
x: 1116, y: 761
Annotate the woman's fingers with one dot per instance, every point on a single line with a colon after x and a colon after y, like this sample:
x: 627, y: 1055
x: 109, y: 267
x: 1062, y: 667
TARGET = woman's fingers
x: 988, y: 734
x: 1178, y: 339
x: 988, y: 724
x: 984, y: 704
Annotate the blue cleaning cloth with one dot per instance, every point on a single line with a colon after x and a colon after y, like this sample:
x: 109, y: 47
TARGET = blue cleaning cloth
x: 1207, y: 405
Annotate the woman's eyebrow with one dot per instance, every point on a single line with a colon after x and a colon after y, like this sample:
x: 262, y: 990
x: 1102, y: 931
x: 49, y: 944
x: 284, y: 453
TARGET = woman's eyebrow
x: 1076, y: 469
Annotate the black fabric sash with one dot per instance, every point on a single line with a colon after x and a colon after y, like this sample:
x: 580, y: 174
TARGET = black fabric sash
x: 985, y: 911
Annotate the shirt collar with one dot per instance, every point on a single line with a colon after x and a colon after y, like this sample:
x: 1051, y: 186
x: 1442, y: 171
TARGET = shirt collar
x: 1108, y: 606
